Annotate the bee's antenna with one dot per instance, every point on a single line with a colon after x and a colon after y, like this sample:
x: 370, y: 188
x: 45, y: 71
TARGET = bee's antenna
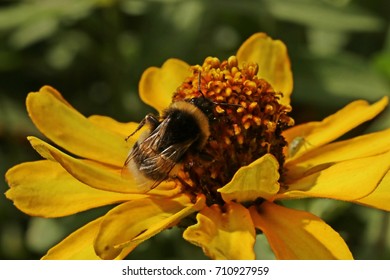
x: 199, y: 83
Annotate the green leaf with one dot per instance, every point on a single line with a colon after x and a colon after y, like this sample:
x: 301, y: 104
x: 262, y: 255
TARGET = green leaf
x: 339, y: 78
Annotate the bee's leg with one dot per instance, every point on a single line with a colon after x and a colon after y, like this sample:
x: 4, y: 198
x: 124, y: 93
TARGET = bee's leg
x: 149, y: 119
x: 152, y: 121
x: 181, y: 181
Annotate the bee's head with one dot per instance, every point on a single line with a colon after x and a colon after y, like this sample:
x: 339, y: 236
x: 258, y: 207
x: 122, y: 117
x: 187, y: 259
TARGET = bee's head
x: 204, y: 104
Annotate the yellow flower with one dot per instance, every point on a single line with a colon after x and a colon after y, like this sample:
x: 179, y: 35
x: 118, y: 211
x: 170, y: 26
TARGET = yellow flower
x: 250, y: 161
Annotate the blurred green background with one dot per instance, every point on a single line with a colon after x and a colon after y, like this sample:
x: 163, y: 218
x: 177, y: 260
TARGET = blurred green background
x: 94, y: 52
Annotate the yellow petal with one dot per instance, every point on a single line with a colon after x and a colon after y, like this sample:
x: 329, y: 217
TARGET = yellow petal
x: 135, y: 221
x: 346, y: 180
x: 319, y: 133
x: 380, y: 197
x: 79, y: 245
x: 298, y: 235
x: 122, y: 129
x: 45, y: 189
x: 258, y: 179
x: 92, y: 174
x: 272, y: 58
x: 157, y: 85
x: 199, y: 204
x: 358, y: 147
x: 107, y: 123
x: 55, y: 93
x: 224, y: 234
x: 72, y: 131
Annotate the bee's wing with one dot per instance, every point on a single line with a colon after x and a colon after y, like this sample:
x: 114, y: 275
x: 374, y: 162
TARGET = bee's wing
x: 155, y: 167
x: 167, y: 160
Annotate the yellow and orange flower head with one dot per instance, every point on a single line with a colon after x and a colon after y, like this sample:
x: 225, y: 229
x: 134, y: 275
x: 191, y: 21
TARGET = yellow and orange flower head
x: 253, y: 159
x: 246, y: 123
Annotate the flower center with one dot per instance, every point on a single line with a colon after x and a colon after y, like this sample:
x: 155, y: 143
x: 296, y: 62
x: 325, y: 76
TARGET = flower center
x: 246, y: 123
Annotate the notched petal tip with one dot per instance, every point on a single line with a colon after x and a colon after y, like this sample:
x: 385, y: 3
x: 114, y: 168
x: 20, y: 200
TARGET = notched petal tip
x: 157, y: 85
x: 273, y: 61
x: 50, y: 91
x: 219, y: 232
x: 72, y: 131
x: 258, y: 179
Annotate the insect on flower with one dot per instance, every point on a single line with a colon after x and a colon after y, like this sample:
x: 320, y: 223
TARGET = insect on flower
x: 295, y: 145
x: 182, y: 128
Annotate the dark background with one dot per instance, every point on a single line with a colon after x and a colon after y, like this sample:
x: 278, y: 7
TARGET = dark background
x: 94, y: 52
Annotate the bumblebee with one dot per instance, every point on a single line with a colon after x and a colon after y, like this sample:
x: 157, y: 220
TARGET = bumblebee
x: 184, y: 127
